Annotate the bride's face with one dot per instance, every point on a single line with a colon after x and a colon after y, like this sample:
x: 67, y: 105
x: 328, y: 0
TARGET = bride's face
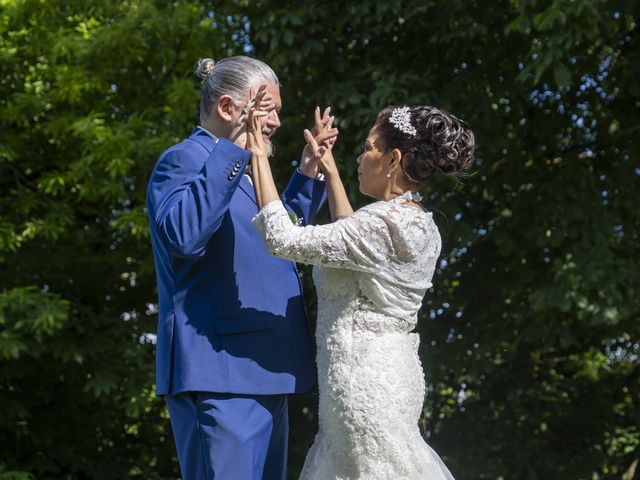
x: 373, y: 167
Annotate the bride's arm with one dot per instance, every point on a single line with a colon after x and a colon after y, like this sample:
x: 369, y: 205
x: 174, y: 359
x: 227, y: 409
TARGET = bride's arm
x: 264, y: 185
x: 361, y: 241
x: 339, y: 205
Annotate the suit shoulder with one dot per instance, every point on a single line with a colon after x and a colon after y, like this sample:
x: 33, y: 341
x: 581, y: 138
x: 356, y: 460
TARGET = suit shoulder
x: 183, y: 156
x: 184, y: 148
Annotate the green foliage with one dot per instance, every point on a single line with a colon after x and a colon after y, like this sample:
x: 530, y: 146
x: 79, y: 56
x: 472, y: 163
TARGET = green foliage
x: 531, y: 332
x: 530, y: 336
x: 91, y: 93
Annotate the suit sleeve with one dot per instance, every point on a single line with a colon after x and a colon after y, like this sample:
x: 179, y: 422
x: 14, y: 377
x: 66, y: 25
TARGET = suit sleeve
x: 187, y: 199
x: 304, y: 196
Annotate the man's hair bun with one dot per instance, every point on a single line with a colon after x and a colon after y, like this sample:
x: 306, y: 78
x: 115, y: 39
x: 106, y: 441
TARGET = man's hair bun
x: 204, y: 68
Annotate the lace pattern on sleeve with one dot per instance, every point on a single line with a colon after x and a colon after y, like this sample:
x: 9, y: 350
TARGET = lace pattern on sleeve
x: 360, y: 242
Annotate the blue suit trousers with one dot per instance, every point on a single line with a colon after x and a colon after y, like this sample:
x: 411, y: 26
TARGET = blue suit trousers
x: 222, y: 436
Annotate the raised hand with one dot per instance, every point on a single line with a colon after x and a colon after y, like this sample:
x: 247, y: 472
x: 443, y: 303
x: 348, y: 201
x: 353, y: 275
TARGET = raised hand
x: 255, y: 110
x: 321, y: 155
x: 316, y: 151
x: 262, y: 178
x: 323, y: 134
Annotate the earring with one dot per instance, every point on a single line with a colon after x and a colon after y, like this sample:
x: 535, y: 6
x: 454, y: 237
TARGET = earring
x: 389, y: 175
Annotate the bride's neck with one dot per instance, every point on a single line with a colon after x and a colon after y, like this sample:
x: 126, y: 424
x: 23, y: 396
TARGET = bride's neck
x: 397, y: 188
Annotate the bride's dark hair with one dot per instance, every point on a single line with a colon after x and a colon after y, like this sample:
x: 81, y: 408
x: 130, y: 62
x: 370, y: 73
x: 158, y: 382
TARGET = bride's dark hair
x: 439, y: 141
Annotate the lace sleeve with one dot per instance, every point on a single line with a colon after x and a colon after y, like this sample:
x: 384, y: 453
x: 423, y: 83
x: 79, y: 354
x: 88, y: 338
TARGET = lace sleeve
x: 359, y: 242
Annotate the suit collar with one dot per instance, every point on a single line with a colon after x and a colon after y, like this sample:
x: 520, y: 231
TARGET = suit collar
x: 203, y: 138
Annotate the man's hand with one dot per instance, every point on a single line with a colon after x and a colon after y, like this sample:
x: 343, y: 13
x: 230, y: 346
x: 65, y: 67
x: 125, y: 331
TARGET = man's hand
x: 323, y: 135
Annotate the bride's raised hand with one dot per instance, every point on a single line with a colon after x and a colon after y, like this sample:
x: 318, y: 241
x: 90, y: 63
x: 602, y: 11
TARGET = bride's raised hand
x: 263, y: 184
x: 324, y: 134
x: 323, y: 125
x: 256, y: 110
x: 321, y: 155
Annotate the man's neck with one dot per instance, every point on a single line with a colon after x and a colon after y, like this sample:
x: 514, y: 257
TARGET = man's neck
x: 221, y: 129
x: 208, y: 132
x: 210, y: 127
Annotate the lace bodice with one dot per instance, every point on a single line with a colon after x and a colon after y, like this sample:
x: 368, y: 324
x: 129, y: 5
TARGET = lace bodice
x: 396, y: 245
x: 371, y: 272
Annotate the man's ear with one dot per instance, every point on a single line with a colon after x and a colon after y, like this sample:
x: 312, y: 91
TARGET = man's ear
x: 224, y: 107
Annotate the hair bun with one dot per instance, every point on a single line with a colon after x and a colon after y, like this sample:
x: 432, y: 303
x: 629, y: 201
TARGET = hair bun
x: 431, y: 140
x: 452, y: 140
x: 204, y: 68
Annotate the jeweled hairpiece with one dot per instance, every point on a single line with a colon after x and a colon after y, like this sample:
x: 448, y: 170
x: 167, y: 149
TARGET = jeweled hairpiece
x: 401, y: 119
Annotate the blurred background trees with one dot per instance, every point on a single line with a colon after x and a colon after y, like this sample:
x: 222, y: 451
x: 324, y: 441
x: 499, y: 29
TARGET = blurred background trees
x: 530, y: 335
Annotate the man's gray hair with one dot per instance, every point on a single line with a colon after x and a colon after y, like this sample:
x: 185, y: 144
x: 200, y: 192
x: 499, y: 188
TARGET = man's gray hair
x: 232, y: 76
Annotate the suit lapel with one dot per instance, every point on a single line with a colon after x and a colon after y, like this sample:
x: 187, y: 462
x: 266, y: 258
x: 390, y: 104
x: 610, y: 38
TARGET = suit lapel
x: 246, y: 186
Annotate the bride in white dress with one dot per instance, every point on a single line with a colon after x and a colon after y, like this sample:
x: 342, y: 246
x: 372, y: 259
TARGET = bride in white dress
x: 373, y: 267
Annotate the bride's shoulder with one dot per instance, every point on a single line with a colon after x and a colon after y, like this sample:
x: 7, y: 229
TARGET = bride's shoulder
x: 407, y: 230
x: 394, y: 210
x: 379, y: 210
x: 372, y: 207
x: 399, y: 219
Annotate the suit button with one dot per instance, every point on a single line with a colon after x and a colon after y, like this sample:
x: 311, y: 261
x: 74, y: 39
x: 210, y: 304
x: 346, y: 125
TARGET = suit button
x: 237, y: 165
x: 230, y: 177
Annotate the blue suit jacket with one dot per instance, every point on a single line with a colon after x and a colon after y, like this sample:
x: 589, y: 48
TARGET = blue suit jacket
x: 231, y: 317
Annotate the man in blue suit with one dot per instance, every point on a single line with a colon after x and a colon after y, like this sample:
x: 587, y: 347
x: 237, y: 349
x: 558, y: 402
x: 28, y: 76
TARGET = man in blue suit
x: 233, y: 340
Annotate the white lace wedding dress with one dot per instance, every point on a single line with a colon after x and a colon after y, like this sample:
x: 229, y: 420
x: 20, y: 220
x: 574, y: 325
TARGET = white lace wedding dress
x: 373, y: 269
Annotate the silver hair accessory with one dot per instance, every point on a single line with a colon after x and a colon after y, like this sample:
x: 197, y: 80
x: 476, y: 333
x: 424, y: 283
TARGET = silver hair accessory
x: 401, y: 119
